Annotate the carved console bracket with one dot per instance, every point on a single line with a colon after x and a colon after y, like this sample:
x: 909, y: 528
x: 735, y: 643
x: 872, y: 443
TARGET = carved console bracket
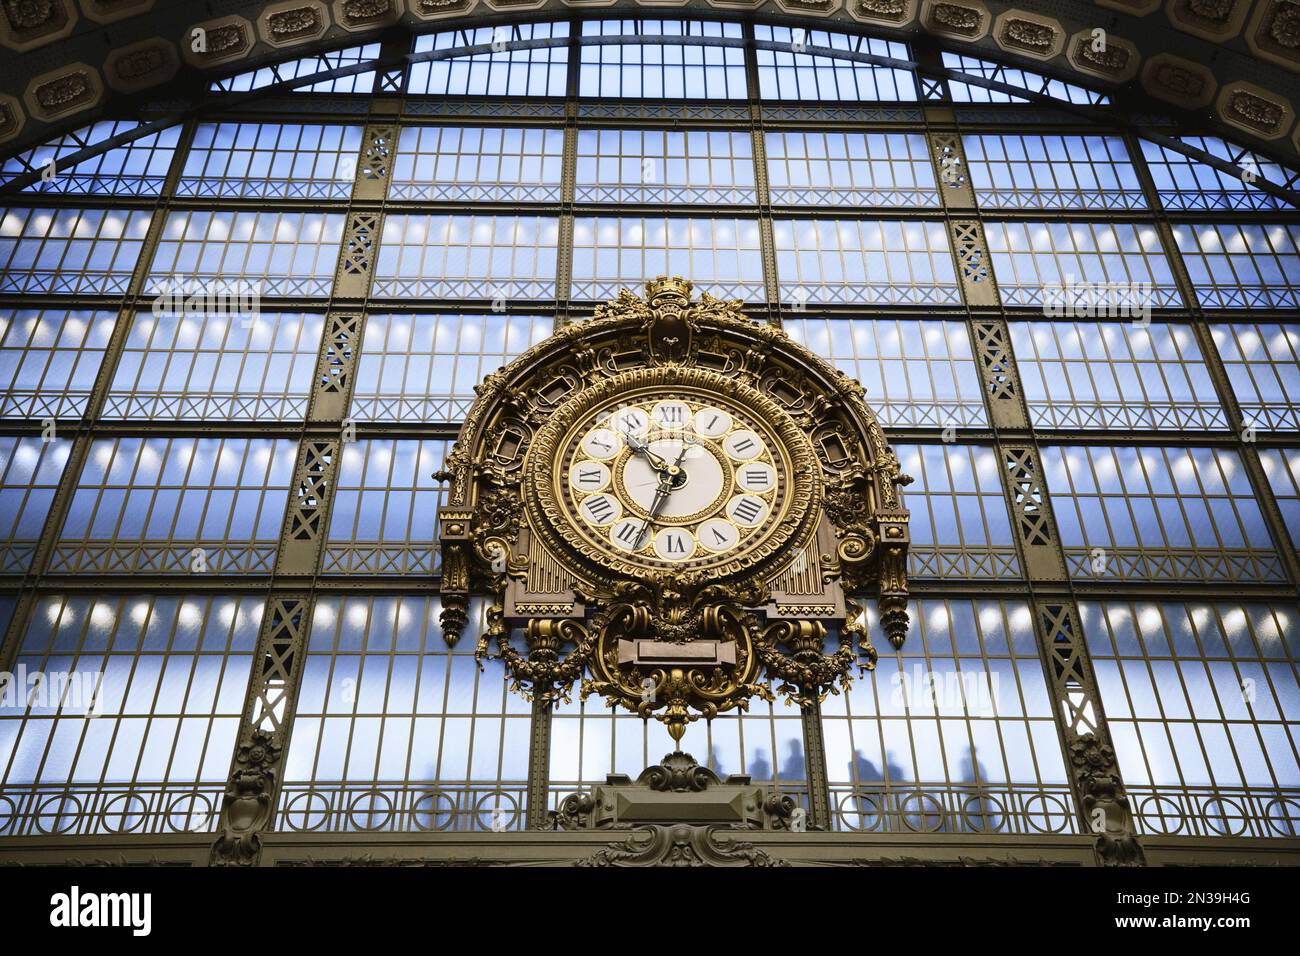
x: 679, y: 791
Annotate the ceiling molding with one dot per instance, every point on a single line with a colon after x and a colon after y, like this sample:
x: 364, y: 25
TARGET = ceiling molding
x: 1233, y: 64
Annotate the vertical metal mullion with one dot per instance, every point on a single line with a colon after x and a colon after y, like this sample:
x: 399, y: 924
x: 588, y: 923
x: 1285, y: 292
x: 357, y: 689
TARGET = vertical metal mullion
x: 814, y: 746
x: 539, y: 764
x: 568, y: 178
x: 762, y: 192
x: 1044, y: 563
x: 537, y: 794
x: 289, y: 608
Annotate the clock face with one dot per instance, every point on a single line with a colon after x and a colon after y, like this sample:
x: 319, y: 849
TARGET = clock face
x: 673, y: 479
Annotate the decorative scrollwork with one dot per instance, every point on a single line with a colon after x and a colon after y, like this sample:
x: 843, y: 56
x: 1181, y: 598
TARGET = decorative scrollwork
x: 680, y: 845
x: 546, y: 673
x: 680, y: 617
x: 498, y: 513
x: 678, y: 773
x: 791, y: 652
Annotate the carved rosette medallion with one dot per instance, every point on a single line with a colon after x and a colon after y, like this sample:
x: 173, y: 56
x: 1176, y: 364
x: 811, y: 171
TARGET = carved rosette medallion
x: 671, y: 506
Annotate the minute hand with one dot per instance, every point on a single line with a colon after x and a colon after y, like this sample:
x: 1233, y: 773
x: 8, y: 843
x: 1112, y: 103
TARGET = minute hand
x: 662, y: 491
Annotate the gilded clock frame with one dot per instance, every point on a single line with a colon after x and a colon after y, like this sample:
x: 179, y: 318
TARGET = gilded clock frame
x: 675, y: 643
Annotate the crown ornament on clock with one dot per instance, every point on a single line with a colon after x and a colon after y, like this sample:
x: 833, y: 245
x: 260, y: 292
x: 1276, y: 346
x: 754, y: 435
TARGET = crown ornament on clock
x: 673, y: 506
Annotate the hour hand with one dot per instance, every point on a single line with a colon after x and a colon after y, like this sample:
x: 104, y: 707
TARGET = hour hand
x: 641, y: 448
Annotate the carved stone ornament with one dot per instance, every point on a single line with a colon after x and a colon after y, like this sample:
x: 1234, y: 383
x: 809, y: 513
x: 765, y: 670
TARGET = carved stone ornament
x: 141, y: 65
x: 289, y: 23
x: 433, y: 9
x: 58, y: 94
x: 27, y: 24
x: 218, y: 42
x: 1179, y: 81
x: 11, y: 118
x: 110, y: 11
x: 141, y: 62
x: 1105, y: 805
x: 681, y: 845
x: 670, y: 504
x: 1030, y: 34
x: 815, y: 7
x: 226, y: 40
x: 883, y: 11
x: 1283, y: 26
x: 1108, y: 56
x: 246, y: 808
x: 967, y: 21
x: 67, y: 90
x: 366, y: 10
x: 1255, y: 109
x: 1210, y: 19
x: 1274, y: 32
x: 364, y: 14
x: 31, y: 14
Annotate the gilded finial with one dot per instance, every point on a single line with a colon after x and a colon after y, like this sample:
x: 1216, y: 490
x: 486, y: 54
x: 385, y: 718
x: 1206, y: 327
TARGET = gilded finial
x: 668, y: 285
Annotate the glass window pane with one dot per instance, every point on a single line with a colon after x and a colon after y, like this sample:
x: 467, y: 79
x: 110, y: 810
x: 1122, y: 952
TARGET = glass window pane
x: 228, y: 362
x: 271, y: 161
x: 398, y: 733
x: 49, y: 359
x: 722, y: 256
x: 1052, y: 172
x: 1100, y: 375
x: 1223, y: 741
x: 868, y: 262
x: 827, y: 168
x: 134, y: 729
x: 177, y: 506
x: 1262, y: 361
x: 973, y: 753
x: 1155, y: 513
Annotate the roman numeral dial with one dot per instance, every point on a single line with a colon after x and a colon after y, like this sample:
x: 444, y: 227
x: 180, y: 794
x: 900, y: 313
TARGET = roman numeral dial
x: 678, y: 480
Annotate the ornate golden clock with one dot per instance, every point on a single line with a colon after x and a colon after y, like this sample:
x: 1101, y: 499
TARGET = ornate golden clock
x: 673, y: 504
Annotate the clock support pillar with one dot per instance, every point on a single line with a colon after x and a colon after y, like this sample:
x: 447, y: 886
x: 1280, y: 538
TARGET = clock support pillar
x: 814, y: 742
x: 539, y: 765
